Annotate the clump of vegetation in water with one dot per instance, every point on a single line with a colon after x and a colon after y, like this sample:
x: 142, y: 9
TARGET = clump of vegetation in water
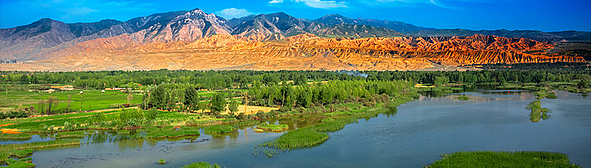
x: 70, y: 134
x: 537, y: 111
x: 331, y: 125
x: 201, y: 165
x: 273, y: 127
x: 545, y: 94
x: 6, y: 153
x: 503, y: 159
x: 40, y: 145
x: 300, y: 138
x: 172, y: 132
x: 161, y: 161
x: 219, y: 129
x: 465, y: 98
x: 21, y: 164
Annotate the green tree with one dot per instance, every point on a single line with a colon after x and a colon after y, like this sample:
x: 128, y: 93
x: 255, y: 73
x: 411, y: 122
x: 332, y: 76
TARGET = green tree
x: 582, y: 84
x: 304, y: 98
x: 439, y: 81
x: 24, y: 79
x: 233, y: 106
x: 218, y: 103
x: 191, y: 98
x: 152, y: 114
x: 158, y: 98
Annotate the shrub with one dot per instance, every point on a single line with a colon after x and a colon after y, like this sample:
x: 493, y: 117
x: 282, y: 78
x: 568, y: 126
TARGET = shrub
x: 127, y: 115
x: 152, y: 114
x: 98, y: 118
x: 233, y: 106
x: 16, y: 114
x: 161, y: 161
x: 68, y: 126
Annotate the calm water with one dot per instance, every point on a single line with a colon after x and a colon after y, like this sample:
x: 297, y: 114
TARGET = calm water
x: 415, y: 136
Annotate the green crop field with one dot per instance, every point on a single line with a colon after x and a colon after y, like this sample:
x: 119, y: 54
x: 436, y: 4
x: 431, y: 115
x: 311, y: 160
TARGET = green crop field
x: 92, y: 99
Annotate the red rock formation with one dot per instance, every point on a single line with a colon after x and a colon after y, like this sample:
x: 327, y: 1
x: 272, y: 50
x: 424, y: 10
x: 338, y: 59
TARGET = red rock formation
x: 300, y: 52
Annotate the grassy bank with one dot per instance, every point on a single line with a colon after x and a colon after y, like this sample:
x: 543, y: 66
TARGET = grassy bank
x: 503, y: 159
x: 40, y: 145
x: 171, y: 132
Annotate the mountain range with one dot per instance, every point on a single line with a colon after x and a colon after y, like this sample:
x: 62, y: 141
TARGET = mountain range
x: 49, y: 39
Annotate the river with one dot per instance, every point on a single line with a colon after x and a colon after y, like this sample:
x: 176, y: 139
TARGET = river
x: 415, y: 136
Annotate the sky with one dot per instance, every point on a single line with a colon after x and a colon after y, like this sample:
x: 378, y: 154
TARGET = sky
x: 544, y: 15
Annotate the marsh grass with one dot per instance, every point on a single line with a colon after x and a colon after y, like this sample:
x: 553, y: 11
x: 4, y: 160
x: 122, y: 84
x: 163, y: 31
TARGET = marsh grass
x: 40, y: 145
x: 6, y: 153
x: 172, y: 132
x: 464, y: 98
x: 272, y: 127
x: 545, y: 94
x: 219, y: 129
x: 17, y: 137
x: 503, y: 159
x: 201, y: 165
x: 300, y: 138
x: 70, y: 135
x: 331, y: 126
x: 21, y: 164
x: 537, y: 111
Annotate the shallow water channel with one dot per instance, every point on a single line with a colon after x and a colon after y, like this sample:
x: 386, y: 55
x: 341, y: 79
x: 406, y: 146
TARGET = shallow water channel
x: 416, y: 135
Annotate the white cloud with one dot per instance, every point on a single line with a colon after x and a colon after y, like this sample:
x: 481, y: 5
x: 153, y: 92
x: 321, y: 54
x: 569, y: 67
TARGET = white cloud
x: 233, y: 13
x: 82, y: 11
x: 323, y: 4
x: 275, y: 1
x: 432, y: 2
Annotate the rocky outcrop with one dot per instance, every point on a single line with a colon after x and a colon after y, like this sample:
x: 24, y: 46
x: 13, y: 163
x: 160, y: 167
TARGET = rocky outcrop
x: 178, y: 26
x: 27, y: 42
x: 270, y: 24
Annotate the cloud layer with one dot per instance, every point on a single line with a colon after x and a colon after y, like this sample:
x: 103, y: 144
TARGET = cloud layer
x: 316, y: 3
x: 233, y: 13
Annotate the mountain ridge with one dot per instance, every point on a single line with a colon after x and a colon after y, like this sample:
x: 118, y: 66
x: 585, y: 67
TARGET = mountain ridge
x: 331, y: 42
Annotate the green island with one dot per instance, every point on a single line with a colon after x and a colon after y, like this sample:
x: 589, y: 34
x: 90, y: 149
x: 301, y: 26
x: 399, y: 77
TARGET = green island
x: 463, y: 98
x: 179, y: 104
x: 272, y: 127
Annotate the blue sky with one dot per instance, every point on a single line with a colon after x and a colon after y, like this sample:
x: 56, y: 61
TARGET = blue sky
x: 545, y: 15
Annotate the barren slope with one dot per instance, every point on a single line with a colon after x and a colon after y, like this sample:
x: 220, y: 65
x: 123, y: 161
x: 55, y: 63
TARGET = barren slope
x: 300, y: 52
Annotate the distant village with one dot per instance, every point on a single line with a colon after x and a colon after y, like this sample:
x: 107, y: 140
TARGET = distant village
x: 7, y: 61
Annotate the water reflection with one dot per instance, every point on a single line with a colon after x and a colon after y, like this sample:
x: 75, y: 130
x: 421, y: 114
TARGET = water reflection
x: 391, y: 112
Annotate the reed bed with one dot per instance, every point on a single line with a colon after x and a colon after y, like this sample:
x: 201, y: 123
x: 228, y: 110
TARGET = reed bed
x: 503, y: 159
